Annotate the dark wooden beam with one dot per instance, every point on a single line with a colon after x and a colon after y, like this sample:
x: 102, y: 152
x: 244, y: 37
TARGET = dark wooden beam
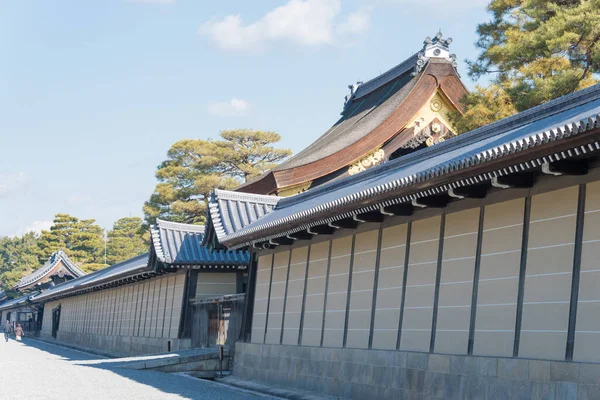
x: 403, y: 210
x: 434, y: 201
x: 346, y: 223
x: 284, y: 241
x: 521, y: 180
x: 471, y: 192
x: 372, y: 216
x: 567, y: 167
x: 302, y: 235
x: 321, y: 230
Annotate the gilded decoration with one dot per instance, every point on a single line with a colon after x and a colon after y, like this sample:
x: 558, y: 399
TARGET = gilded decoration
x: 431, y: 125
x: 293, y: 190
x: 369, y: 161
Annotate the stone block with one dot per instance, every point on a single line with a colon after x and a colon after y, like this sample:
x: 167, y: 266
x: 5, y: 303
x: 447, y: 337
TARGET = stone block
x: 539, y: 370
x: 589, y: 374
x: 415, y: 380
x: 564, y: 372
x: 542, y: 391
x: 399, y: 378
x: 566, y: 391
x: 487, y: 366
x: 589, y: 392
x: 332, y: 369
x: 331, y: 386
x: 398, y: 359
x: 439, y: 363
x: 390, y: 393
x: 416, y: 360
x: 475, y: 387
x: 363, y: 373
x: 382, y: 375
x: 440, y: 385
x: 503, y: 389
x: 265, y: 350
x: 347, y: 371
x: 379, y: 357
x: 513, y: 368
x: 354, y: 355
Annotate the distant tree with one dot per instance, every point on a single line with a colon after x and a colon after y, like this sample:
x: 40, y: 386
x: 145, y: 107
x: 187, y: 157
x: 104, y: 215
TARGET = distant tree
x: 86, y: 246
x: 536, y: 50
x: 57, y: 238
x: 17, y: 259
x: 194, y: 168
x: 82, y: 240
x: 125, y: 240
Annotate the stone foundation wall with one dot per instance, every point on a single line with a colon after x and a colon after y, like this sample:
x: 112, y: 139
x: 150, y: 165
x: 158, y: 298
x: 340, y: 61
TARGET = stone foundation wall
x: 119, y: 346
x: 380, y: 374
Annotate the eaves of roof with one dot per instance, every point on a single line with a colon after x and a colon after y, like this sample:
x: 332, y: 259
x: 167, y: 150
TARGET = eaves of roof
x: 48, y: 266
x: 180, y: 245
x: 475, y: 156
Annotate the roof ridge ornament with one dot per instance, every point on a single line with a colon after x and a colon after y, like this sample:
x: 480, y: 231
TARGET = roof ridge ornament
x: 353, y: 88
x: 438, y: 47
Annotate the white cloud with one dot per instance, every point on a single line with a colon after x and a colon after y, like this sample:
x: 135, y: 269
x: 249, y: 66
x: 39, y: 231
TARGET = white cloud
x: 36, y: 227
x: 11, y: 184
x: 304, y: 22
x: 233, y: 108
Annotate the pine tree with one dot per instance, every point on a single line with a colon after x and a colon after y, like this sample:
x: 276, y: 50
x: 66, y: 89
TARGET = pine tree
x: 125, y: 240
x: 194, y: 168
x: 17, y: 259
x: 82, y: 240
x: 536, y: 51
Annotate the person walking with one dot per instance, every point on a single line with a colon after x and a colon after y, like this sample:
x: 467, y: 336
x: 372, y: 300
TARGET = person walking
x: 7, y: 329
x: 19, y: 332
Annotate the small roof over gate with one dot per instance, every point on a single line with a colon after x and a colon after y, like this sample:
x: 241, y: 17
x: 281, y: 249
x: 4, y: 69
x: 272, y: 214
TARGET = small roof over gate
x: 180, y: 246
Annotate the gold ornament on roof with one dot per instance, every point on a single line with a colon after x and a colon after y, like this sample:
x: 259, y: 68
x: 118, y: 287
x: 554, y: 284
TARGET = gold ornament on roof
x: 436, y: 105
x: 369, y: 161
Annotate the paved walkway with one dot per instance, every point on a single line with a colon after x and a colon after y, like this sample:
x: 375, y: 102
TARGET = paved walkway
x: 37, y: 370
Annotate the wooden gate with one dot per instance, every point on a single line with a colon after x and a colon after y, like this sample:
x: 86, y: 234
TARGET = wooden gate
x: 217, y: 320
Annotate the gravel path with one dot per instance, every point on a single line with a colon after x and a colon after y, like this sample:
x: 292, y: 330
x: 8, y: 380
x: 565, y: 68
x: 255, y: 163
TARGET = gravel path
x: 37, y: 370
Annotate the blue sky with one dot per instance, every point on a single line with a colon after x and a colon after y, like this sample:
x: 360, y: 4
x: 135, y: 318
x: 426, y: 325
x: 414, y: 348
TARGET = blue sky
x: 93, y: 93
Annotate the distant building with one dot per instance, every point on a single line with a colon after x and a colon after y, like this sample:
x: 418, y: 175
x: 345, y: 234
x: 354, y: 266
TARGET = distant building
x: 145, y: 304
x: 440, y: 268
x: 59, y: 268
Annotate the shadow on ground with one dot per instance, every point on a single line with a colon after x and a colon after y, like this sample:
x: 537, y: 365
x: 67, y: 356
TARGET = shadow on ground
x: 186, y: 387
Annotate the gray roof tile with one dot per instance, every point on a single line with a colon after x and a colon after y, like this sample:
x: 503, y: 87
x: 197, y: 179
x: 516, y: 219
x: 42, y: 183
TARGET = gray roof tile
x: 556, y: 120
x: 181, y: 245
x: 41, y: 272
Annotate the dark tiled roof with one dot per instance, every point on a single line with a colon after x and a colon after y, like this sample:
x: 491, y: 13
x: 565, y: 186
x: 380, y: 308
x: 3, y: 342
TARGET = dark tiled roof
x: 231, y: 211
x: 359, y: 118
x: 178, y: 244
x: 368, y: 108
x: 131, y: 267
x: 557, y: 120
x: 42, y: 272
x: 16, y: 302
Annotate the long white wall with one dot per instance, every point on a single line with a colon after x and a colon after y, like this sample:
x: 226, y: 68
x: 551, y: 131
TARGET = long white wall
x: 149, y: 309
x: 459, y: 283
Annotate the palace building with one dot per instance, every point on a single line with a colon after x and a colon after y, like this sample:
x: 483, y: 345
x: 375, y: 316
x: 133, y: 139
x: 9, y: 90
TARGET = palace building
x: 145, y: 304
x: 59, y: 268
x: 403, y: 260
x: 403, y: 109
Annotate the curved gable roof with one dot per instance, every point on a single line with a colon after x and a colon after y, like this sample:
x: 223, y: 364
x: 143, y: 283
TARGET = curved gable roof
x: 46, y: 270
